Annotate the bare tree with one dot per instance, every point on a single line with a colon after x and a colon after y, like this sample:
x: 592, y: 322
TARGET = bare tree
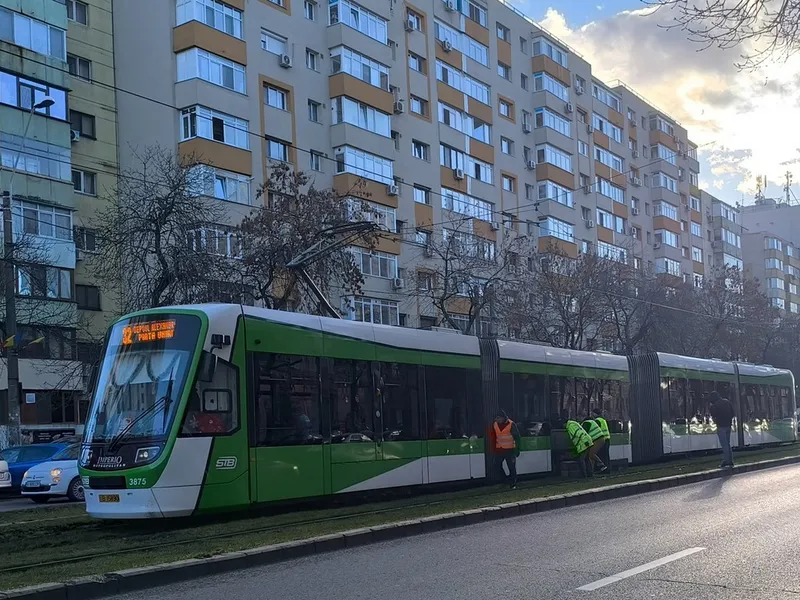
x: 157, y: 232
x: 560, y: 304
x: 768, y: 29
x: 466, y: 273
x: 295, y: 217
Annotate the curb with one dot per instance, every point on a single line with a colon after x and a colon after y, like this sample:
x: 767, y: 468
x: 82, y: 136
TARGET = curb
x: 130, y: 580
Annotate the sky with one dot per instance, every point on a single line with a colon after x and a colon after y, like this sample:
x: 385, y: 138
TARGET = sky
x: 744, y: 123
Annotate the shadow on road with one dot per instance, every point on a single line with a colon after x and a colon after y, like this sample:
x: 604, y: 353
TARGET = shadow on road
x: 710, y: 490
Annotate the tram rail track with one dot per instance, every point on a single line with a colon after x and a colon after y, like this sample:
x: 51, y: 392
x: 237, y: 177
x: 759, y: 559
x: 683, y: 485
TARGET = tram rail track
x: 244, y: 530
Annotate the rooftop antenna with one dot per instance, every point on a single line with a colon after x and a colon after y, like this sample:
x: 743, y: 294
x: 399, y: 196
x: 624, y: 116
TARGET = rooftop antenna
x: 788, y: 187
x: 760, y: 185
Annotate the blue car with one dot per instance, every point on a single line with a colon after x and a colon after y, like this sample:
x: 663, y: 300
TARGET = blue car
x: 22, y: 458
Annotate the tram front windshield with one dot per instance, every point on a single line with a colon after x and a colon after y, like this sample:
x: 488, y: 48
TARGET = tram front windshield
x: 143, y: 374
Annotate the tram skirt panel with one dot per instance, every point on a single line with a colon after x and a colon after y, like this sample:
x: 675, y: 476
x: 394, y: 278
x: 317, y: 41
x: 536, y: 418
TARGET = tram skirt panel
x: 646, y: 429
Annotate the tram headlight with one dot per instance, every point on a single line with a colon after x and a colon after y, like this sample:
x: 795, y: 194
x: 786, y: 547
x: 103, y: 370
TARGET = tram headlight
x: 147, y: 454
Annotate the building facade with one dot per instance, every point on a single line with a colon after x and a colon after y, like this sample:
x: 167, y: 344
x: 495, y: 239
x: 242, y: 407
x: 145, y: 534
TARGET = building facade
x: 771, y: 250
x: 451, y: 111
x: 52, y: 52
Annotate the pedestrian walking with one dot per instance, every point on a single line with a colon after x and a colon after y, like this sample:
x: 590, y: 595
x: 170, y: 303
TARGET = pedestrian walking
x: 605, y: 455
x: 722, y: 413
x: 507, y: 442
x: 598, y: 441
x: 581, y: 443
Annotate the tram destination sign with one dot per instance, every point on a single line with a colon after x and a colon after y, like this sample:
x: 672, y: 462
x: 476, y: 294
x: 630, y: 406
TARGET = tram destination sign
x: 145, y: 333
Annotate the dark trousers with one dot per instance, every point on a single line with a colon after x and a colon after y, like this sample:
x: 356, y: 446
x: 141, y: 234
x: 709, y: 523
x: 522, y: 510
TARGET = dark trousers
x: 605, y: 453
x: 510, y: 457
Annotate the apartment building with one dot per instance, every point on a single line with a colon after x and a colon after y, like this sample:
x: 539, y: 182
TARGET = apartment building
x: 726, y: 232
x: 452, y: 111
x: 36, y: 152
x: 771, y: 250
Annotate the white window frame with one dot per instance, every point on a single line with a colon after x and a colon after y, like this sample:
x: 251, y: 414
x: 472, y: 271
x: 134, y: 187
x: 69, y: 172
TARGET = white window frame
x: 603, y: 95
x: 375, y: 307
x: 458, y: 80
x: 609, y: 159
x: 461, y: 42
x: 364, y: 210
x: 665, y: 209
x: 274, y: 43
x: 605, y: 126
x: 45, y: 217
x: 282, y: 148
x: 41, y: 40
x: 347, y: 60
x: 359, y: 18
x: 364, y: 164
x: 198, y: 121
x: 277, y: 98
x: 609, y: 190
x: 465, y: 204
x: 669, y: 266
x: 72, y: 6
x: 86, y: 179
x: 225, y: 18
x: 611, y: 252
x: 544, y: 82
x: 665, y: 181
x: 549, y: 190
x: 552, y: 227
x: 310, y: 10
x: 195, y: 63
x: 220, y: 184
x: 545, y: 153
x: 543, y: 46
x: 313, y: 58
x: 420, y: 150
x: 544, y: 117
x: 361, y: 115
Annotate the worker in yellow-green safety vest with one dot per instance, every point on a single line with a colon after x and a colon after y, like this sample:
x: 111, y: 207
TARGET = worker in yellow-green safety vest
x: 605, y: 455
x: 598, y: 441
x: 581, y: 443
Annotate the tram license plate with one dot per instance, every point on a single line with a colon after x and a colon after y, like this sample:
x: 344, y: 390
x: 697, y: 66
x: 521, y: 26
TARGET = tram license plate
x: 109, y: 497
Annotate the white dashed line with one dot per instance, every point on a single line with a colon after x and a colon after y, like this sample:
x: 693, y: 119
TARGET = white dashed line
x: 589, y: 587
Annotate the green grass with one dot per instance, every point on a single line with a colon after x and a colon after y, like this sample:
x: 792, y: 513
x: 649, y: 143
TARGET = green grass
x: 55, y: 533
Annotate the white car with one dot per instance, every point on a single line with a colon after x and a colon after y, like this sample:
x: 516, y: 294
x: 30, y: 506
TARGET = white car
x: 55, y: 478
x: 5, y: 476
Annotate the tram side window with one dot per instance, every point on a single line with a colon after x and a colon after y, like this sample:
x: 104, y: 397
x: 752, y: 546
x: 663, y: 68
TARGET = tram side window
x: 787, y: 403
x: 446, y: 393
x: 563, y: 397
x: 351, y: 402
x: 697, y: 400
x: 530, y: 404
x: 213, y: 407
x: 585, y: 390
x: 612, y: 399
x: 673, y: 396
x: 286, y: 390
x: 398, y: 385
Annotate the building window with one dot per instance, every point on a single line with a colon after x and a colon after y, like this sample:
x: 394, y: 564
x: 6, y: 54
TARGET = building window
x: 552, y: 227
x: 363, y: 210
x: 544, y: 82
x: 462, y: 42
x: 315, y: 161
x: 364, y: 164
x: 609, y: 159
x: 606, y: 97
x: 85, y: 239
x: 416, y: 62
x: 415, y: 19
x: 32, y: 34
x: 313, y: 111
x: 88, y: 297
x: 347, y: 110
x: 216, y: 240
x: 419, y: 106
x: 509, y: 183
x: 523, y: 81
x: 545, y: 153
x: 694, y: 178
x: 460, y: 81
x: 607, y: 127
x: 277, y: 150
x: 82, y: 123
x: 359, y: 18
x: 374, y: 310
x: 199, y: 121
x: 44, y: 159
x: 665, y: 209
x: 582, y: 116
x: 213, y: 13
x: 196, y: 63
x: 542, y: 46
x: 42, y: 220
x: 273, y: 43
x: 464, y: 204
x: 79, y: 67
x: 84, y: 182
x: 420, y: 150
x: 544, y: 117
x: 552, y: 191
x: 223, y: 185
x: 40, y: 281
x: 505, y: 108
x: 345, y: 60
x: 312, y: 59
x: 583, y: 148
x: 668, y: 266
x: 504, y: 70
x: 506, y: 146
x: 375, y: 264
x: 503, y: 32
x: 310, y: 10
x: 523, y: 45
x: 78, y: 12
x: 23, y: 93
x: 422, y: 195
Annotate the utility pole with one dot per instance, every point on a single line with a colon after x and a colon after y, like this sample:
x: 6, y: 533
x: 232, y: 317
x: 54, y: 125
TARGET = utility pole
x: 12, y: 353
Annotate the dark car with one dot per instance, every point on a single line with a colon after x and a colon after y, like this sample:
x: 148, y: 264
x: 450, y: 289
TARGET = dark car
x: 22, y: 458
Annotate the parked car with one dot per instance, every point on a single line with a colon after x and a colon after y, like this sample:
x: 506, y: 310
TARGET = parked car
x: 5, y: 476
x: 22, y: 458
x: 55, y: 477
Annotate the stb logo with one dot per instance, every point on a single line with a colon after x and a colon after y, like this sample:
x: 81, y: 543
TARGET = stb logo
x: 226, y: 463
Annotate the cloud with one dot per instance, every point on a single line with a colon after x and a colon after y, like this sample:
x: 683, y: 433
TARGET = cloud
x: 744, y: 122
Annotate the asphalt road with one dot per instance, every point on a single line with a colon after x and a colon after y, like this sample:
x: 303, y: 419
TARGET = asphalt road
x: 733, y: 538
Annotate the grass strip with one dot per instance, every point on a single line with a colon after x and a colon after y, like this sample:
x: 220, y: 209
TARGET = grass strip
x: 64, y: 532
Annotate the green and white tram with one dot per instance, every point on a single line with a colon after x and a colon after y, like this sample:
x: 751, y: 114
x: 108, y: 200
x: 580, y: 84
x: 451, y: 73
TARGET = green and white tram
x: 219, y: 407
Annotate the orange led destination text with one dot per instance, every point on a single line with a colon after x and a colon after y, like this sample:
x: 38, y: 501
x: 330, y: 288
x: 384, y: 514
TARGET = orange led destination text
x: 148, y: 332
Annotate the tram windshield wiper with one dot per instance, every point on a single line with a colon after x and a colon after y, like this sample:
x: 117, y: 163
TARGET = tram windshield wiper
x: 164, y: 402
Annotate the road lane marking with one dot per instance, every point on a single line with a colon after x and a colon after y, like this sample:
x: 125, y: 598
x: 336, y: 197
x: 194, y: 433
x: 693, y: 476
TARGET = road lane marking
x: 589, y: 587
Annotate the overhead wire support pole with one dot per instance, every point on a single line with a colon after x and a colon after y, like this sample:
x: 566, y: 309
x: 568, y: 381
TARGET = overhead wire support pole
x: 332, y: 239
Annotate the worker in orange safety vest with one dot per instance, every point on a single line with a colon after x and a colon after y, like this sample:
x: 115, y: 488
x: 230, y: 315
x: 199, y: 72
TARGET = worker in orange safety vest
x: 505, y: 444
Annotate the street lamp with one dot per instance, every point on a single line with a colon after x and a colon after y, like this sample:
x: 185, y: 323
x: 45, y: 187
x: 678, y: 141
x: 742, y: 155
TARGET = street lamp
x: 12, y: 356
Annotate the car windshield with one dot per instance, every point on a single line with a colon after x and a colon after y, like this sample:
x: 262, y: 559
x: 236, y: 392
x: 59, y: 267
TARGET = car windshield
x: 69, y: 453
x: 145, y: 367
x: 10, y: 455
